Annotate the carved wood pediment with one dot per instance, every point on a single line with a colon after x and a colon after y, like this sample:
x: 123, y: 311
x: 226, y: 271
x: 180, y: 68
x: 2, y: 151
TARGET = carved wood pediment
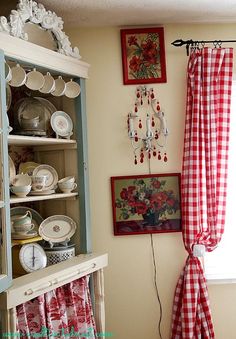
x: 29, y: 11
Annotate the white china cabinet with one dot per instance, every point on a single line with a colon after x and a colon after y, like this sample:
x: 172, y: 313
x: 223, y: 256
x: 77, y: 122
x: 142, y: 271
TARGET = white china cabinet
x: 67, y: 156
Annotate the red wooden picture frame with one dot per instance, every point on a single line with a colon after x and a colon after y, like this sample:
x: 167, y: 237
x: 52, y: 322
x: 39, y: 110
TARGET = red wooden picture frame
x: 146, y: 203
x: 143, y: 55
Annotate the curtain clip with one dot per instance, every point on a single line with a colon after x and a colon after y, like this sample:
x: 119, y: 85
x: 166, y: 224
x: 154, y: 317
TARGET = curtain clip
x: 199, y: 250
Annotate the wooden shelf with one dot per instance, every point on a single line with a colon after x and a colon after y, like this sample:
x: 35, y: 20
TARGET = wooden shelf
x: 22, y: 140
x: 16, y: 200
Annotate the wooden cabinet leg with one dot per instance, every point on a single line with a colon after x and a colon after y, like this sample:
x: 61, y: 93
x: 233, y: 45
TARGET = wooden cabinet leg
x: 9, y: 323
x: 99, y: 301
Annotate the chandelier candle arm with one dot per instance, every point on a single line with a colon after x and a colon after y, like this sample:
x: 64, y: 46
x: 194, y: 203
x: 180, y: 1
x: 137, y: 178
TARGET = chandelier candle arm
x: 131, y: 127
x: 149, y: 133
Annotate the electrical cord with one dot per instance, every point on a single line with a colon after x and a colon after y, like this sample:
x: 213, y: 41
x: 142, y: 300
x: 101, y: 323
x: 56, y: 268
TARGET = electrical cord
x: 156, y: 286
x: 155, y: 272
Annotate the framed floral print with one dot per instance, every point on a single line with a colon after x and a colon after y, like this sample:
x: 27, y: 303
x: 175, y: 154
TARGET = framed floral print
x: 143, y: 55
x: 146, y: 203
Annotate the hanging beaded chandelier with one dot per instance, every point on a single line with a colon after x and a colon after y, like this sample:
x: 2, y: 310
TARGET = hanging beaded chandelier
x: 147, y: 127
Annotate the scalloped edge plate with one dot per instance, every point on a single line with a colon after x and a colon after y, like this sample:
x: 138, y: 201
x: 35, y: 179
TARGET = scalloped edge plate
x: 58, y: 119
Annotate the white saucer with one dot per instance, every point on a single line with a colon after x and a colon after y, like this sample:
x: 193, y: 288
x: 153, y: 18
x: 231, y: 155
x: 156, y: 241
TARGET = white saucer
x: 27, y: 235
x: 46, y: 192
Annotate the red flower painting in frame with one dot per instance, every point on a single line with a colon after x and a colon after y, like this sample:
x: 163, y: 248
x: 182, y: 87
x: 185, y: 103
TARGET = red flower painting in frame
x: 143, y: 55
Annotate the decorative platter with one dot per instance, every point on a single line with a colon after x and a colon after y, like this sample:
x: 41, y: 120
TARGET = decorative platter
x: 57, y: 228
x: 21, y: 210
x: 61, y: 123
x: 8, y: 96
x: 49, y: 110
x: 12, y: 169
x: 27, y: 167
x: 50, y: 172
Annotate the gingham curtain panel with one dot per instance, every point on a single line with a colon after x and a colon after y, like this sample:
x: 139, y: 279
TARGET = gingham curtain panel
x: 203, y: 184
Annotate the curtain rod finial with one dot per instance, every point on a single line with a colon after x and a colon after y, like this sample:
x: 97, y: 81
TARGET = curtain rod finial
x: 178, y: 43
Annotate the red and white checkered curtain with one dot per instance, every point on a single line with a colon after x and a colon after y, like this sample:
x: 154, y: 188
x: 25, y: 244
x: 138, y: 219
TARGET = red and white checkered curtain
x: 203, y: 187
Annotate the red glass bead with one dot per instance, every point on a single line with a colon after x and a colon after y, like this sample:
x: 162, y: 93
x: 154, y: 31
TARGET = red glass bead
x: 158, y: 108
x: 136, y: 139
x: 154, y: 152
x: 138, y: 94
x: 135, y: 160
x: 136, y: 109
x: 153, y: 122
x: 165, y: 157
x: 140, y: 124
x: 141, y: 160
x: 159, y: 155
x: 156, y: 135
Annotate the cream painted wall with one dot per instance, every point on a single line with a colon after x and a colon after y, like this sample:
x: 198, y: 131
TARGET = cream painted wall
x: 131, y: 305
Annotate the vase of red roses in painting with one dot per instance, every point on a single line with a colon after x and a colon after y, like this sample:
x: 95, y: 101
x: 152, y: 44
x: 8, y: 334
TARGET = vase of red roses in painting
x: 150, y: 200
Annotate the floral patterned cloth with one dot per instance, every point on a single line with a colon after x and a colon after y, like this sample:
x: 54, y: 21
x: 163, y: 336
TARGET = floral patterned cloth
x: 65, y: 312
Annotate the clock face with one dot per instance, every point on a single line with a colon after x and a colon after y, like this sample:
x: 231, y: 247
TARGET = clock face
x: 32, y: 257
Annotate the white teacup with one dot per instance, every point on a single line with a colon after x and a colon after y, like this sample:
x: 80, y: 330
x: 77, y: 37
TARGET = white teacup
x: 49, y: 84
x: 21, y: 191
x: 67, y: 187
x: 8, y: 73
x: 60, y: 87
x: 39, y: 182
x: 34, y: 80
x: 72, y: 89
x: 23, y: 228
x: 18, y: 76
x: 70, y: 179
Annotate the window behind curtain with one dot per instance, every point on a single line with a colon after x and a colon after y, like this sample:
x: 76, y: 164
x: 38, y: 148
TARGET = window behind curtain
x: 220, y: 264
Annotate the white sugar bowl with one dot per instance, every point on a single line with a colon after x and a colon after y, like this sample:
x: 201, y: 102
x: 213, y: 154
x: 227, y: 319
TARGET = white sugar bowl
x: 21, y: 191
x: 21, y: 180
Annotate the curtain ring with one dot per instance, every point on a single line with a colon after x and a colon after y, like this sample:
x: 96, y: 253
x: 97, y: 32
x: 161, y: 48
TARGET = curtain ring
x: 202, y: 44
x: 215, y: 43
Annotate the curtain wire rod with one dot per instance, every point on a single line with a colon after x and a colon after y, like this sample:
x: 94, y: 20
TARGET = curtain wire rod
x: 196, y: 43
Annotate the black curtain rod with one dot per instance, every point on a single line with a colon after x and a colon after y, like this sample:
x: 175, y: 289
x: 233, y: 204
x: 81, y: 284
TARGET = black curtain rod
x: 196, y: 43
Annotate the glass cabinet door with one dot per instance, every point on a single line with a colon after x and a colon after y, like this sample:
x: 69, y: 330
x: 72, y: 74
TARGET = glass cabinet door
x: 5, y: 227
